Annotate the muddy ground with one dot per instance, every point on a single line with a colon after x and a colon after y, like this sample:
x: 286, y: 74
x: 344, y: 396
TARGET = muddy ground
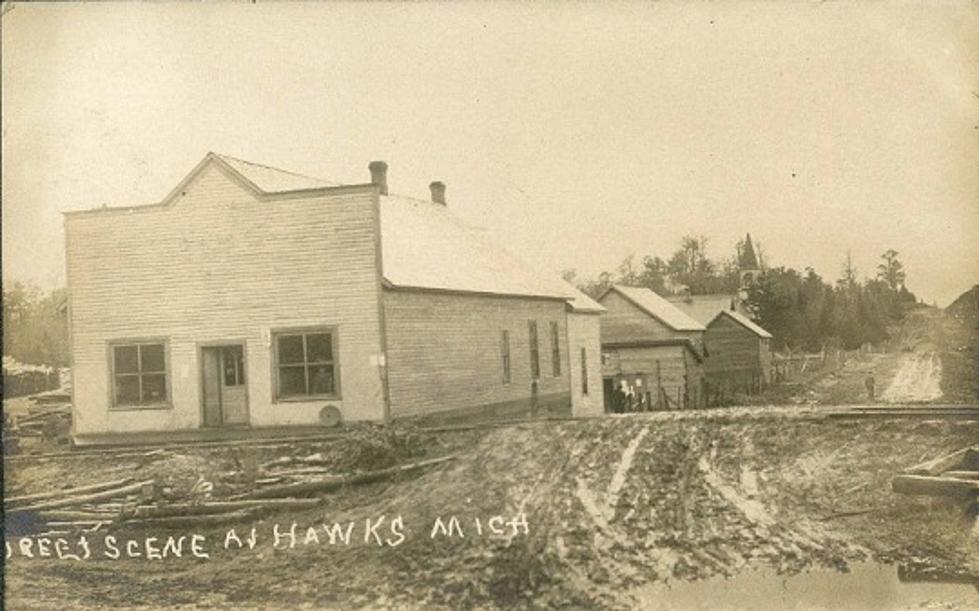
x: 610, y: 505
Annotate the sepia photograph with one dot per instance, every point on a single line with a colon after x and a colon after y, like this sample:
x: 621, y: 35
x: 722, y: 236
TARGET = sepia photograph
x: 490, y: 305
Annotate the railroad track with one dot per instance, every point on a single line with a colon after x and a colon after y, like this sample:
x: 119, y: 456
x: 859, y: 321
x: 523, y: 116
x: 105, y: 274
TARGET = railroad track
x: 912, y: 410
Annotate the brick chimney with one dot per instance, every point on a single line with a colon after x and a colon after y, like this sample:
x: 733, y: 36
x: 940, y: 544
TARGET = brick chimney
x: 379, y: 175
x: 438, y: 192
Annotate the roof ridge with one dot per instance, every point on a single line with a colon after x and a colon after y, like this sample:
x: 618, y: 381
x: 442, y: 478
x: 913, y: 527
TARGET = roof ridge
x: 268, y: 167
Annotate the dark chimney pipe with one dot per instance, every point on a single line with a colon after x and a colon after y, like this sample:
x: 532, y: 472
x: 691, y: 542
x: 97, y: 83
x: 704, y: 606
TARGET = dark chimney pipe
x: 438, y: 192
x: 379, y: 175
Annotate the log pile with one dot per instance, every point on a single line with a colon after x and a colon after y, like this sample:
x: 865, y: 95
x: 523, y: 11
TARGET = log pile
x: 954, y: 475
x: 279, y: 485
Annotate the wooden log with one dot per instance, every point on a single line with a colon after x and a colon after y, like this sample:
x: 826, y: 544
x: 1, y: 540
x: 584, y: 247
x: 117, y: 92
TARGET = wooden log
x: 934, y: 486
x: 335, y: 483
x: 73, y: 523
x: 217, y: 507
x: 77, y: 515
x: 27, y: 498
x: 88, y: 498
x: 942, y: 463
x: 970, y: 475
x: 194, y: 520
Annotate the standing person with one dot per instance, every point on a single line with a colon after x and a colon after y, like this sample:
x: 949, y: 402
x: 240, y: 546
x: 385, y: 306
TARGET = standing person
x: 533, y: 398
x: 869, y: 383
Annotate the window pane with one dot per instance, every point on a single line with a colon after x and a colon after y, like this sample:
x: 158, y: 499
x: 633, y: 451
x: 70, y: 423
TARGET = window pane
x: 154, y: 388
x: 292, y: 381
x: 319, y: 348
x: 321, y: 380
x: 126, y: 359
x: 234, y: 366
x: 127, y: 390
x: 152, y: 357
x: 290, y: 349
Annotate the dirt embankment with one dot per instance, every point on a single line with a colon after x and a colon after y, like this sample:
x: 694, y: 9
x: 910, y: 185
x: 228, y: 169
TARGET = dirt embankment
x: 611, y: 504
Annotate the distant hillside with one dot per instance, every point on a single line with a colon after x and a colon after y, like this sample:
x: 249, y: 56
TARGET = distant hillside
x: 966, y: 307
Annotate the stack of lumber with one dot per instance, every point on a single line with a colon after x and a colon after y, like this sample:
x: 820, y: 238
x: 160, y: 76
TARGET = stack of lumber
x: 287, y: 484
x: 953, y: 475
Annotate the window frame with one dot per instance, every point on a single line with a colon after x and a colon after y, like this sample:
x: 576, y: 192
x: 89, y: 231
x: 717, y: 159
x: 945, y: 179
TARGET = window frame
x: 584, y: 371
x: 533, y: 339
x: 111, y: 345
x: 275, y: 334
x: 555, y: 350
x: 505, y: 356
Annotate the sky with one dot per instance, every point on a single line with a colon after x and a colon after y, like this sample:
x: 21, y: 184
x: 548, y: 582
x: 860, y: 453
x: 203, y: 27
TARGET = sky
x: 576, y: 134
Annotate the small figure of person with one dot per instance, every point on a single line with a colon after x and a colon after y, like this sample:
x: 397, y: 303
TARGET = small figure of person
x: 869, y: 384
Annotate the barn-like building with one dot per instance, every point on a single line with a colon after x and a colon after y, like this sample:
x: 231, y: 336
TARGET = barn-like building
x: 252, y: 297
x: 653, y: 354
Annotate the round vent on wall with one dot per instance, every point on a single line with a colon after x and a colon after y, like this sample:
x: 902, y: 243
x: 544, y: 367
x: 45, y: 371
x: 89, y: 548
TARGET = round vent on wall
x: 330, y: 415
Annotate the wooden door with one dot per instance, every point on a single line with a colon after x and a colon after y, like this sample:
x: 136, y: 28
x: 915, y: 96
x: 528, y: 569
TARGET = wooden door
x: 234, y: 397
x: 211, y: 374
x: 224, y: 390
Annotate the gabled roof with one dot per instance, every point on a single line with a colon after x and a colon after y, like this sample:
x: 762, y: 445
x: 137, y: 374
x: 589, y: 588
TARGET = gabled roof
x: 272, y: 180
x: 423, y: 244
x: 745, y: 322
x: 703, y: 308
x: 426, y: 246
x: 657, y: 307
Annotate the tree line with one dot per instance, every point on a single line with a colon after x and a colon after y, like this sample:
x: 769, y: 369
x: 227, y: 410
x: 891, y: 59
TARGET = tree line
x: 35, y: 328
x: 801, y: 310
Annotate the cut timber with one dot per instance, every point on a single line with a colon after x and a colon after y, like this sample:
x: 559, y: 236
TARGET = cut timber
x: 87, y: 498
x: 78, y: 515
x: 218, y: 507
x: 28, y: 498
x: 945, y: 463
x: 934, y: 486
x: 337, y: 482
x: 205, y: 520
x: 971, y: 475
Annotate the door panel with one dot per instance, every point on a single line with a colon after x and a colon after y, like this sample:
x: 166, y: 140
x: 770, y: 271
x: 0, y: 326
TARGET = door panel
x: 211, y: 369
x: 234, y: 398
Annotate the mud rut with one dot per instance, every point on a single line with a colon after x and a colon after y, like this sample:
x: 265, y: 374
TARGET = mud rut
x: 917, y: 380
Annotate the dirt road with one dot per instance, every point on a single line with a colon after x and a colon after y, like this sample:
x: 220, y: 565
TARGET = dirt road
x: 918, y: 379
x: 613, y: 505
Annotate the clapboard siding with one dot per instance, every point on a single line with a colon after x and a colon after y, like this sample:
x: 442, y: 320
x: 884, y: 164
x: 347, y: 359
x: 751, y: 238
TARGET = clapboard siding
x: 444, y: 350
x: 220, y: 263
x: 584, y: 333
x: 731, y: 346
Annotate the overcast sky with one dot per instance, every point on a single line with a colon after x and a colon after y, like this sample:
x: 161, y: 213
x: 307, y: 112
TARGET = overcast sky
x: 577, y: 134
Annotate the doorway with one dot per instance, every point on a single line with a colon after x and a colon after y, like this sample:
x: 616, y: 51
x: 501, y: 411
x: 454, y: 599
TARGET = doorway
x: 225, y: 395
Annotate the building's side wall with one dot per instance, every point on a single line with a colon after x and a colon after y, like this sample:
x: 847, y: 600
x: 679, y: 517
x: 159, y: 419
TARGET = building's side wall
x: 731, y: 347
x: 647, y: 369
x: 445, y: 351
x: 739, y: 361
x: 584, y: 334
x: 221, y: 265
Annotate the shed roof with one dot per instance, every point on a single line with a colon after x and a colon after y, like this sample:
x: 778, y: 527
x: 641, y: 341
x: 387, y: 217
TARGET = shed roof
x: 745, y: 322
x: 657, y: 307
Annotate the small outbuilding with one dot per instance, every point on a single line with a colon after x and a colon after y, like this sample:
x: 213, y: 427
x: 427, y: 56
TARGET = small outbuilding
x: 652, y: 353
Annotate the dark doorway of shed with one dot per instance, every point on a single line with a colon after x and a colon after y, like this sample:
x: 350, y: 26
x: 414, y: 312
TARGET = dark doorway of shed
x: 225, y: 394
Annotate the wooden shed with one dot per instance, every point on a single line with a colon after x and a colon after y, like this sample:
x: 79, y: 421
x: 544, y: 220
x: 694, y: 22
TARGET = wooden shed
x: 740, y: 355
x: 652, y: 353
x: 740, y: 349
